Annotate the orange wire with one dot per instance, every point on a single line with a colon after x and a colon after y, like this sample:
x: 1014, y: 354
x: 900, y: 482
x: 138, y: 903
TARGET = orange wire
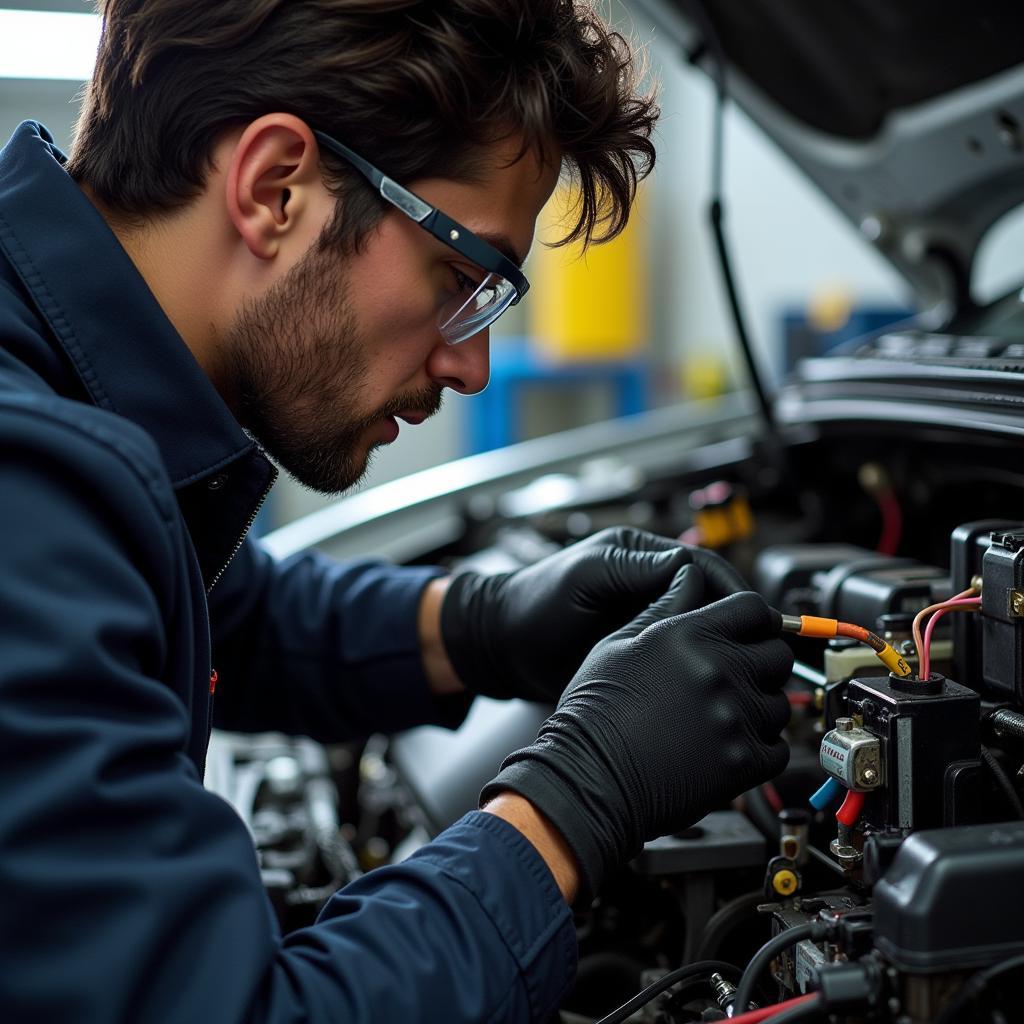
x: 852, y: 631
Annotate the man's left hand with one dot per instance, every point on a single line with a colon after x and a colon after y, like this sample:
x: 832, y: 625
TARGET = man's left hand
x: 524, y: 634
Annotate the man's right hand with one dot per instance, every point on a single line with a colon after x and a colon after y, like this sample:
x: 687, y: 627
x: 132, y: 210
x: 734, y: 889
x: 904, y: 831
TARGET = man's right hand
x: 670, y: 716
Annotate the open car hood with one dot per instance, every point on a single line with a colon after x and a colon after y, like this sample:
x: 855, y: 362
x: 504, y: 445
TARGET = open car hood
x: 908, y: 116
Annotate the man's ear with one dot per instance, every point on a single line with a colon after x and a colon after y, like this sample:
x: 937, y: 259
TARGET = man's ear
x: 272, y: 177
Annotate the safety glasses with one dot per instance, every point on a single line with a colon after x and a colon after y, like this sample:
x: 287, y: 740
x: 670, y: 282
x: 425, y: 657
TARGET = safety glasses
x: 480, y: 303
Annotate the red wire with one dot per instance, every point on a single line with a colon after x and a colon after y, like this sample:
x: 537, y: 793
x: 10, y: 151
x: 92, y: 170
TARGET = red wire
x: 767, y: 1012
x: 892, y: 522
x: 771, y: 794
x: 852, y: 806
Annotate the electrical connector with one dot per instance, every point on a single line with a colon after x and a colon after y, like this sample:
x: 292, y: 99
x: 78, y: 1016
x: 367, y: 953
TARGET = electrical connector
x: 849, y: 986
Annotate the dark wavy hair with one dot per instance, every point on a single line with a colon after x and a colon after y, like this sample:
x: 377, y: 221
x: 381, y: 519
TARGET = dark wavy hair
x: 416, y: 87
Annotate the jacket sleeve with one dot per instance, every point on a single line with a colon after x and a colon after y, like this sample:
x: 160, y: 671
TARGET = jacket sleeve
x: 132, y: 894
x: 322, y: 648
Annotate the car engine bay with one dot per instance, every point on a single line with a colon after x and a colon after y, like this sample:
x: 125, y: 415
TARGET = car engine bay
x: 886, y: 863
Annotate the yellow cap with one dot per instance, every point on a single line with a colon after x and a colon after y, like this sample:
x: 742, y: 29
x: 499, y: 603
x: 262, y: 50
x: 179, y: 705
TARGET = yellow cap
x: 784, y: 882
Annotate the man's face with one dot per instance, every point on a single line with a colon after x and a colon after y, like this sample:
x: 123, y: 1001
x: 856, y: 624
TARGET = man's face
x: 329, y: 358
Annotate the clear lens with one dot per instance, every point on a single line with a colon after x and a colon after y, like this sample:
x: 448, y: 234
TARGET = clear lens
x: 460, y: 319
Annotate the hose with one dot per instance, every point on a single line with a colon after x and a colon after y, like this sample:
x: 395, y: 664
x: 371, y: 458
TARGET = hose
x: 725, y: 919
x: 976, y: 984
x: 767, y: 953
x: 703, y: 968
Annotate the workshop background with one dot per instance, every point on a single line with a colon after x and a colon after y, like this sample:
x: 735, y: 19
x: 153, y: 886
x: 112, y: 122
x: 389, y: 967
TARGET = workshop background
x: 644, y: 322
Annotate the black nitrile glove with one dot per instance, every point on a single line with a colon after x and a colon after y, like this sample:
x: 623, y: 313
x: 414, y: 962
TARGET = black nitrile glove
x: 667, y: 718
x: 524, y: 634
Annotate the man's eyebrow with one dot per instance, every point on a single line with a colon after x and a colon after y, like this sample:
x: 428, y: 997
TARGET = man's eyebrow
x: 503, y: 245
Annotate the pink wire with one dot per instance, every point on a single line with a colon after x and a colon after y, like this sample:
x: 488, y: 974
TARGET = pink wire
x: 963, y: 604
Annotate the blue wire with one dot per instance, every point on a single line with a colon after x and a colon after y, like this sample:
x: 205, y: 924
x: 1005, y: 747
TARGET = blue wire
x: 828, y: 792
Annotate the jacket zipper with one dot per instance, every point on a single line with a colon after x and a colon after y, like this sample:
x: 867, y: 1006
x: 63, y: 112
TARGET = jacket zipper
x: 244, y: 533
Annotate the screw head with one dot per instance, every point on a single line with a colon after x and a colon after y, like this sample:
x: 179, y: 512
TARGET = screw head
x: 453, y: 235
x: 784, y: 882
x: 870, y: 776
x: 873, y: 228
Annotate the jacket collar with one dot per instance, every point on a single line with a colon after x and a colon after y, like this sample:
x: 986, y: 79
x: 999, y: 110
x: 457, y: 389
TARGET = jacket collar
x: 127, y: 353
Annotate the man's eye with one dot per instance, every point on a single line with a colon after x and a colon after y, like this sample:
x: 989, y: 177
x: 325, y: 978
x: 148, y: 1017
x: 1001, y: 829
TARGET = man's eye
x: 463, y: 282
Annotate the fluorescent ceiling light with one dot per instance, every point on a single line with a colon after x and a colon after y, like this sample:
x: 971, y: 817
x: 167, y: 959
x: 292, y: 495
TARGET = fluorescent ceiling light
x: 48, y: 44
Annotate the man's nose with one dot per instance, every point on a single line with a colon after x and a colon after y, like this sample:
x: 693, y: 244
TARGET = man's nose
x: 465, y: 367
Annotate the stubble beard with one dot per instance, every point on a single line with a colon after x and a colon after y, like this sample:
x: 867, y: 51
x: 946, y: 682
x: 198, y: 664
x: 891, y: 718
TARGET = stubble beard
x: 297, y: 368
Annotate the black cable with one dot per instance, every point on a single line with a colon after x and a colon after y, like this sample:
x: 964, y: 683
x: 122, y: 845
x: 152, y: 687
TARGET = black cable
x: 703, y: 968
x: 973, y: 988
x: 717, y: 208
x: 724, y: 920
x: 802, y: 1011
x: 823, y: 858
x: 1003, y: 781
x: 790, y: 937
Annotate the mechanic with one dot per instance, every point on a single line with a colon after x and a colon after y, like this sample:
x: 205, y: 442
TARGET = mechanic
x: 214, y: 273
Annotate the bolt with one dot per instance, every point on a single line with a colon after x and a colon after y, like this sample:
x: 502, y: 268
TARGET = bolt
x: 873, y: 228
x: 870, y: 776
x: 843, y: 849
x: 844, y: 724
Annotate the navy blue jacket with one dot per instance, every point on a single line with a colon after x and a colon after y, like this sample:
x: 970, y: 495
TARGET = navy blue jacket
x: 128, y: 893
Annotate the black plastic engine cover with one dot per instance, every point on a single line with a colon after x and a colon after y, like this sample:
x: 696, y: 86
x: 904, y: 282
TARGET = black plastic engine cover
x: 951, y: 900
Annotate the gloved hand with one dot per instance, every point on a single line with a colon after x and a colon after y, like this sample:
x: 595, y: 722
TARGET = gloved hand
x: 524, y: 634
x: 672, y: 715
